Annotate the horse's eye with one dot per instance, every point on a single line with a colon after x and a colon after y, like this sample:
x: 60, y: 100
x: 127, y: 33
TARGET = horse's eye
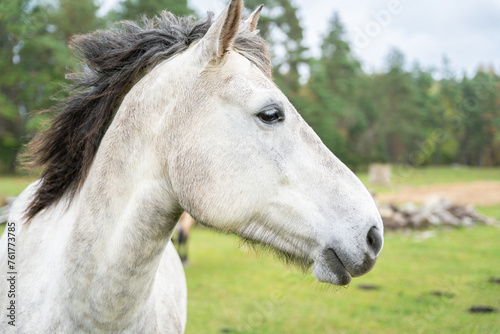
x: 271, y: 116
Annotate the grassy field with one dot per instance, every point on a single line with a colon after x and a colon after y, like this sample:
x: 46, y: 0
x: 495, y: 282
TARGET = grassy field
x: 419, y: 285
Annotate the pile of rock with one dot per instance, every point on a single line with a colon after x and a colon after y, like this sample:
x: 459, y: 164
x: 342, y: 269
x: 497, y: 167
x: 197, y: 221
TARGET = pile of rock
x: 437, y: 211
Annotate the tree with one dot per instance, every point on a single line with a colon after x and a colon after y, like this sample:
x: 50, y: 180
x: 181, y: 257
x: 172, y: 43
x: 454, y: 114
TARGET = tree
x: 33, y: 60
x: 280, y: 26
x: 76, y: 17
x: 481, y: 115
x: 449, y: 98
x: 135, y: 9
x: 23, y: 81
x: 398, y: 125
x: 334, y: 87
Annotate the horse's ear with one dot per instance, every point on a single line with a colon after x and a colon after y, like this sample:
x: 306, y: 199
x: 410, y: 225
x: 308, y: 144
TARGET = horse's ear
x: 219, y: 37
x: 251, y: 21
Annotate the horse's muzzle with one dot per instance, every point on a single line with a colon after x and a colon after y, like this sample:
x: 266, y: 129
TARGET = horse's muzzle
x: 337, y: 266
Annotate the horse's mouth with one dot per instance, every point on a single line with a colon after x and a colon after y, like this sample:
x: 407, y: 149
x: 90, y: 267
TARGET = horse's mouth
x: 328, y: 268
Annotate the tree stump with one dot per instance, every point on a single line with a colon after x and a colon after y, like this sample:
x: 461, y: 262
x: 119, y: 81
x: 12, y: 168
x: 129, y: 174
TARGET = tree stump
x: 379, y: 174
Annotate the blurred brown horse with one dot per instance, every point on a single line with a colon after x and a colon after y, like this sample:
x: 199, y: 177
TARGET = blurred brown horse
x: 184, y: 225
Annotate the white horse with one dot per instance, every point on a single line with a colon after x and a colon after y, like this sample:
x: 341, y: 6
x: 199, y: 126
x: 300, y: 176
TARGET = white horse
x: 174, y: 115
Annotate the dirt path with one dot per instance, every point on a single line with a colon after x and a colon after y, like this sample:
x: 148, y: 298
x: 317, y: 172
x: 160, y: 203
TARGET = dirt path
x: 482, y: 193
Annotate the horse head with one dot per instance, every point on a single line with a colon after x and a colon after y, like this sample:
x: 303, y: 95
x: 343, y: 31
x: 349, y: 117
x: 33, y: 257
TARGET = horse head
x: 242, y: 160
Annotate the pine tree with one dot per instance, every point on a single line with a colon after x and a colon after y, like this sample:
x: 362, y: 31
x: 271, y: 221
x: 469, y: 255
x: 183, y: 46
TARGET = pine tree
x: 398, y: 126
x: 449, y: 98
x: 480, y: 118
x: 280, y: 26
x: 334, y: 85
x: 135, y: 9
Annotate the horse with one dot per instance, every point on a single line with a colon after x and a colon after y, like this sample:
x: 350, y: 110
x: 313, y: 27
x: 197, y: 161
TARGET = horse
x: 184, y: 226
x: 167, y: 116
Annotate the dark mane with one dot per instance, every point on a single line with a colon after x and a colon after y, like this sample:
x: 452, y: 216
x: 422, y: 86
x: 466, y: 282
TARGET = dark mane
x: 111, y: 61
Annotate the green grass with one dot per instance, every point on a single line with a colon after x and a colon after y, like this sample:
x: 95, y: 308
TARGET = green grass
x: 490, y: 211
x: 406, y: 176
x: 11, y: 186
x: 235, y: 291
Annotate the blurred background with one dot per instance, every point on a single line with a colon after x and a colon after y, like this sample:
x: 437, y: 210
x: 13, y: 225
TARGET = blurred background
x: 406, y: 93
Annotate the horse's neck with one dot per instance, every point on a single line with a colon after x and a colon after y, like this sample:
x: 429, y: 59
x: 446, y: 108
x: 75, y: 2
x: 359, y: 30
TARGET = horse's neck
x: 125, y: 218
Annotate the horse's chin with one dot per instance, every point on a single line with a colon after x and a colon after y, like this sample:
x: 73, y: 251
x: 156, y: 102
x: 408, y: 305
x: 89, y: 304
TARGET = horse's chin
x: 329, y: 269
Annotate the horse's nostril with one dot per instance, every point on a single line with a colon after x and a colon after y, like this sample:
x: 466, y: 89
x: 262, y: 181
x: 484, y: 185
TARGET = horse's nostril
x: 374, y: 240
x: 370, y: 240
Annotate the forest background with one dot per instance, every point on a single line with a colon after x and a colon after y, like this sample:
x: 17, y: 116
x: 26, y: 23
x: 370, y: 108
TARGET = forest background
x: 404, y: 114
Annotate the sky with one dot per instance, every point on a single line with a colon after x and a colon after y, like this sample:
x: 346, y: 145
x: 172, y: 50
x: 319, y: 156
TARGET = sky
x: 466, y: 31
